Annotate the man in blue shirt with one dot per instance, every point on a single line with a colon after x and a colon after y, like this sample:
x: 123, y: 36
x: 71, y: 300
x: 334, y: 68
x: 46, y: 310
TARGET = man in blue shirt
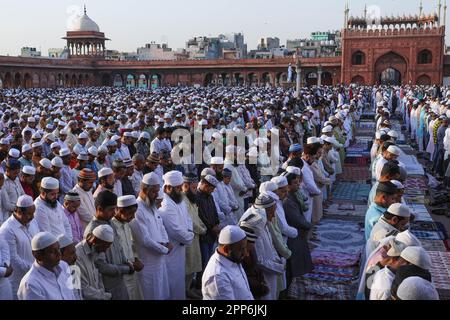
x: 385, y: 196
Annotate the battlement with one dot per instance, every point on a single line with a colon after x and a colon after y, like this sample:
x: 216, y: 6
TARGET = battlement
x: 397, y: 30
x: 418, y: 21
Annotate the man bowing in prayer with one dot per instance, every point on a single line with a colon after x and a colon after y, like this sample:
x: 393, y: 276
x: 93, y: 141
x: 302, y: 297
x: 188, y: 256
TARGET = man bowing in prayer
x: 178, y: 224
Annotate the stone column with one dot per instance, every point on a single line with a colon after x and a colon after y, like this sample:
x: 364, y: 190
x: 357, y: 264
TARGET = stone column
x: 319, y: 75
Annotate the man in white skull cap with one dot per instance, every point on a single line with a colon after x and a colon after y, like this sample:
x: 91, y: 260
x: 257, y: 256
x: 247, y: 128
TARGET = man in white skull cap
x: 46, y: 279
x: 178, y: 224
x: 151, y: 241
x: 87, y: 250
x: 416, y: 288
x: 224, y: 278
x: 392, y: 153
x: 393, y: 221
x: 50, y: 214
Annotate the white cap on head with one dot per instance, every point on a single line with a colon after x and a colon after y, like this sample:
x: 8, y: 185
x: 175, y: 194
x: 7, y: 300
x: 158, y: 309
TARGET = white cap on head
x: 417, y: 288
x: 128, y: 134
x: 49, y: 183
x: 268, y: 186
x: 24, y: 201
x: 29, y: 170
x: 55, y: 145
x: 217, y: 160
x: 394, y: 150
x: 126, y: 201
x: 212, y: 180
x: 281, y: 181
x: 42, y: 240
x: 231, y: 234
x: 393, y: 134
x: 14, y: 153
x: 312, y: 140
x: 417, y: 256
x: 83, y: 135
x: 399, y: 210
x: 64, y: 241
x: 36, y: 144
x: 57, y: 162
x: 93, y: 151
x: 151, y: 179
x: 105, y: 172
x: 327, y: 129
x: 173, y: 178
x: 407, y: 238
x: 294, y: 170
x: 64, y: 152
x: 26, y: 148
x: 47, y: 164
x: 104, y: 232
x: 144, y: 135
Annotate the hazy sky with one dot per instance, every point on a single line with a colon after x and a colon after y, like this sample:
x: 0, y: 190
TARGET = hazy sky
x: 132, y: 23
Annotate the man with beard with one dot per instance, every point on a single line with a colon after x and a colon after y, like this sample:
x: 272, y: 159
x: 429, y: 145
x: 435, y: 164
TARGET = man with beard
x: 151, y: 241
x: 393, y: 221
x: 125, y: 213
x: 119, y: 171
x: 67, y: 180
x: 47, y: 279
x: 224, y: 278
x: 26, y: 178
x: 86, y: 179
x: 127, y: 185
x: 69, y: 256
x: 27, y: 154
x: 193, y: 253
x: 208, y: 214
x: 113, y: 265
x: 105, y: 180
x: 165, y: 161
x: 12, y: 187
x: 137, y: 175
x: 178, y: 224
x: 50, y: 214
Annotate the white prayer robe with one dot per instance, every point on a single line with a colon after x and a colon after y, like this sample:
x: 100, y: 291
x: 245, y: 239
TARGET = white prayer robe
x: 52, y: 220
x: 86, y: 210
x: 225, y: 280
x: 19, y: 238
x: 310, y: 187
x: 42, y: 284
x: 5, y: 283
x: 179, y: 227
x: 148, y: 233
x: 382, y: 283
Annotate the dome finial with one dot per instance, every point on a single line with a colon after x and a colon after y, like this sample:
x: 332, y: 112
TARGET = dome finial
x: 84, y: 9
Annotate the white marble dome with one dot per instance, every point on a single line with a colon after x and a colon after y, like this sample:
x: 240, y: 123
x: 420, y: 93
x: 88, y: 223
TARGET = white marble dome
x: 84, y: 23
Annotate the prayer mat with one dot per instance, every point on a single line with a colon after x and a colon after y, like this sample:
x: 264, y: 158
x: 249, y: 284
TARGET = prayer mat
x: 336, y: 259
x: 415, y: 183
x: 308, y: 289
x: 330, y: 277
x: 338, y: 210
x: 351, y: 191
x: 338, y: 236
x: 433, y: 245
x: 440, y: 269
x: 424, y: 226
x: 355, y: 173
x: 430, y: 235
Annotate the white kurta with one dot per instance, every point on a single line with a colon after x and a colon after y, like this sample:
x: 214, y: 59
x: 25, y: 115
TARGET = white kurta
x: 379, y: 167
x: 431, y: 146
x: 6, y: 292
x: 225, y: 280
x: 310, y: 187
x: 42, y: 284
x: 52, y: 220
x: 19, y: 238
x: 86, y: 210
x: 382, y: 283
x: 179, y: 227
x: 148, y: 233
x: 238, y: 185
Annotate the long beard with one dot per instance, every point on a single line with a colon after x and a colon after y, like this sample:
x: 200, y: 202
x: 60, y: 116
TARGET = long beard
x: 149, y: 202
x: 51, y: 203
x: 192, y: 196
x: 177, y: 197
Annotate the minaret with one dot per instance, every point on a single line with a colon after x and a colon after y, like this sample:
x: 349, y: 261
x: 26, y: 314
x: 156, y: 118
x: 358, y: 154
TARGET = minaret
x: 445, y: 13
x: 365, y: 12
x: 84, y: 9
x: 346, y: 11
x: 420, y: 9
x: 439, y: 12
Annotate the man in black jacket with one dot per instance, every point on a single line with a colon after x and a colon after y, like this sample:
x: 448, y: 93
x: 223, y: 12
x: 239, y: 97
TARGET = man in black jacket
x: 208, y: 214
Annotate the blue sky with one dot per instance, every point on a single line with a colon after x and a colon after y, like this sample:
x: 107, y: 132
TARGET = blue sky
x: 132, y: 23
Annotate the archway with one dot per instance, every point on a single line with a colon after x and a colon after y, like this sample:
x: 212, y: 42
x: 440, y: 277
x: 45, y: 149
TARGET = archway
x: 27, y: 81
x: 86, y: 80
x: 155, y: 81
x: 425, y: 57
x: 44, y: 81
x: 251, y: 79
x: 238, y: 79
x: 390, y: 68
x: 36, y: 82
x: 208, y: 80
x: 118, y: 81
x: 359, y: 80
x: 142, y: 82
x: 7, y: 80
x: 226, y: 81
x: 51, y: 81
x: 358, y: 58
x: 423, y: 80
x: 131, y: 81
x: 281, y: 78
x: 80, y: 80
x: 327, y: 79
x: 67, y: 81
x: 311, y: 79
x: 17, y: 81
x: 266, y: 79
x: 73, y: 81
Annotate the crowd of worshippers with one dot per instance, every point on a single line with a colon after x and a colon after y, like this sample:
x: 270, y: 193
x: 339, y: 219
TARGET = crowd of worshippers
x: 396, y: 266
x: 93, y: 207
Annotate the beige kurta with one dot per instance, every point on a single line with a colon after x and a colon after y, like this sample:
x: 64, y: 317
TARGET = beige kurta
x: 320, y: 181
x: 193, y: 253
